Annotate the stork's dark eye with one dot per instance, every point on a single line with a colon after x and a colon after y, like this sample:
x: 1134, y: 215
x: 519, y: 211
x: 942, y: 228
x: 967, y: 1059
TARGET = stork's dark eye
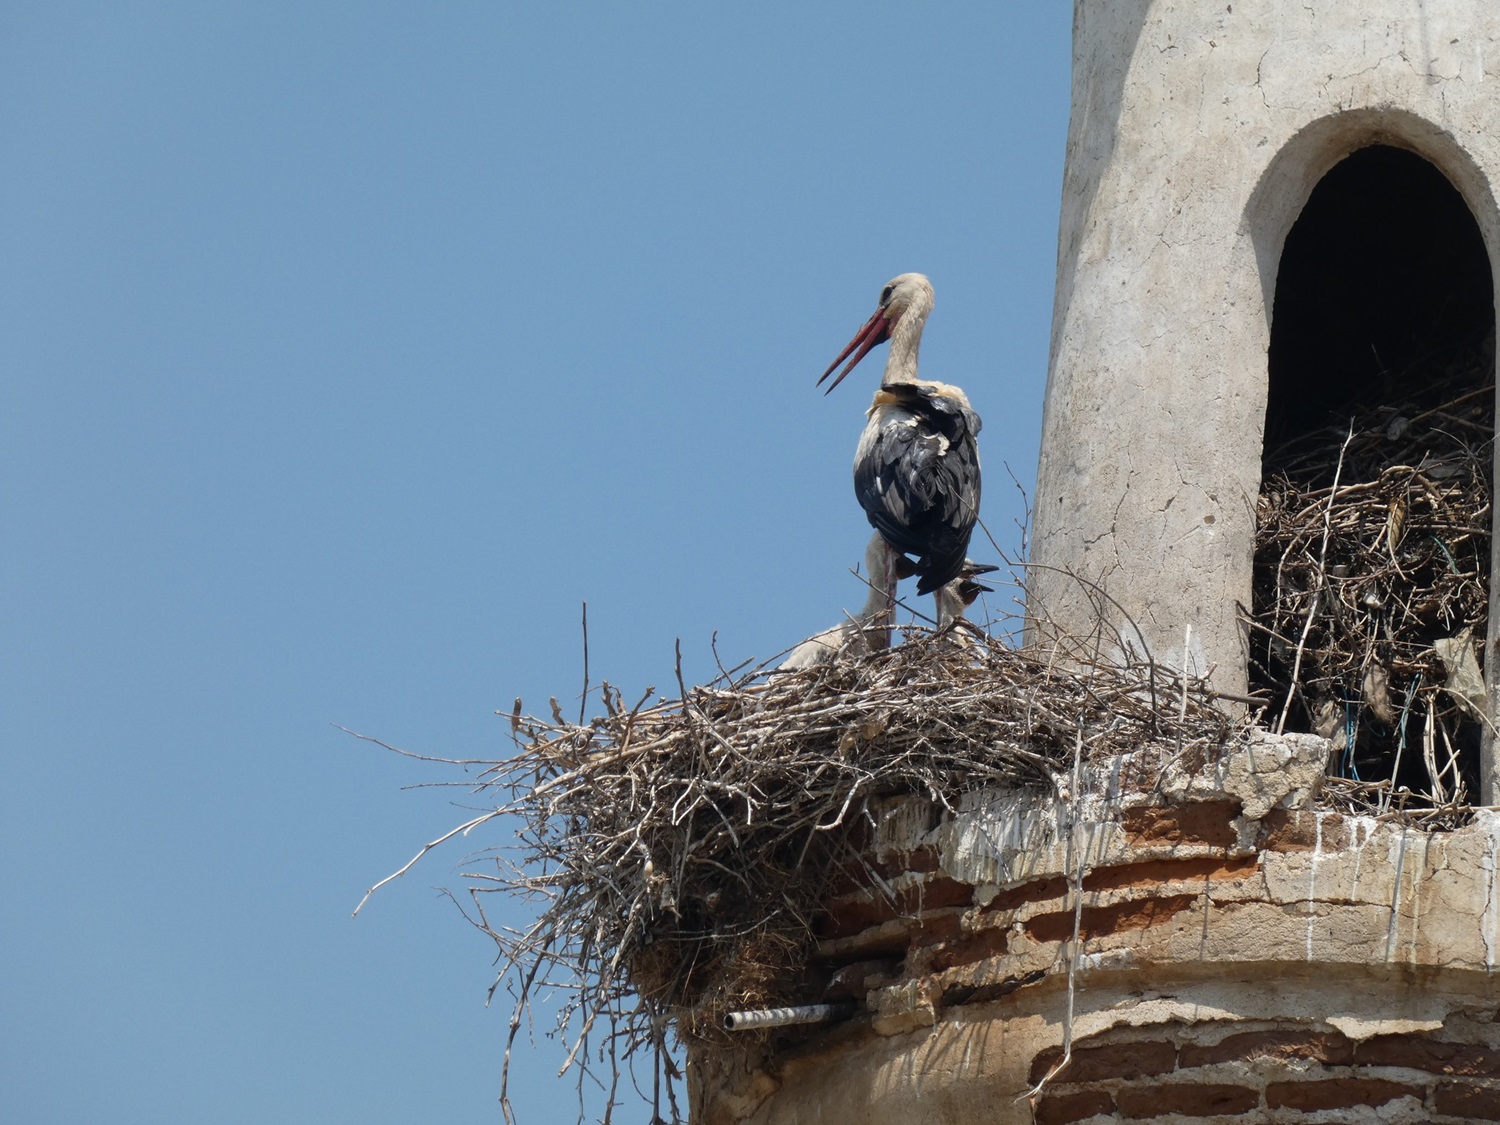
x: 885, y: 295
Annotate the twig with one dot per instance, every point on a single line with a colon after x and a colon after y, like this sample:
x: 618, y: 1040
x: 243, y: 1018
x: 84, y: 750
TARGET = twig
x: 583, y: 699
x: 1312, y: 608
x: 461, y: 830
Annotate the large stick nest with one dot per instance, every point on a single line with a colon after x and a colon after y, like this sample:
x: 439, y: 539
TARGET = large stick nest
x: 1372, y: 582
x: 679, y: 851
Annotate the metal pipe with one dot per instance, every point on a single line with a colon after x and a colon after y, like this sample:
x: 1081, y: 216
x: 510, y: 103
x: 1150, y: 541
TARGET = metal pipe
x: 783, y: 1017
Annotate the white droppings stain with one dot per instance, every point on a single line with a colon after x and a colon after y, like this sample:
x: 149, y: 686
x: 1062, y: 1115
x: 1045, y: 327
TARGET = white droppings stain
x: 1390, y: 933
x: 1312, y: 876
x: 1422, y: 874
x: 1491, y: 904
x: 1362, y: 833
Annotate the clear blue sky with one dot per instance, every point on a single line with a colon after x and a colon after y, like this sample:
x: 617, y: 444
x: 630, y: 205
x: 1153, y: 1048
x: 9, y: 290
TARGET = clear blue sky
x: 347, y: 349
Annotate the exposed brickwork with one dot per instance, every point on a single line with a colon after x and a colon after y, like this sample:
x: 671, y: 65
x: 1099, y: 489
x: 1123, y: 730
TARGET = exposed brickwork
x: 990, y: 942
x: 1423, y: 1053
x: 984, y: 993
x: 1295, y: 830
x: 1126, y: 1077
x: 1102, y: 920
x: 850, y: 982
x: 1329, y: 1047
x: 1061, y: 1109
x: 851, y: 916
x: 1337, y: 1093
x: 1127, y: 1061
x: 1460, y: 1099
x: 922, y: 860
x: 1206, y: 823
x: 856, y: 876
x: 1187, y: 1098
x: 1038, y: 890
x: 1161, y: 871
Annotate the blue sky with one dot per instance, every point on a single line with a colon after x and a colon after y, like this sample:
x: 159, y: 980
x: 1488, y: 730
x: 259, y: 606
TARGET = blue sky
x: 347, y: 349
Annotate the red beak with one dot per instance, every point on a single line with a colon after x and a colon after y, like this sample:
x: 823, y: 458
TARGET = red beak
x: 877, y: 330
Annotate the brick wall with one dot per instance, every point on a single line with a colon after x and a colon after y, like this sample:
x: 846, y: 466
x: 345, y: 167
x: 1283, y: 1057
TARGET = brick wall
x: 1212, y: 1071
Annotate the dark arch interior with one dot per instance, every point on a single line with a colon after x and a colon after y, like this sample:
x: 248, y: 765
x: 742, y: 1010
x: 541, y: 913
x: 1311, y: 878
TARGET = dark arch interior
x: 1384, y: 270
x: 1383, y: 319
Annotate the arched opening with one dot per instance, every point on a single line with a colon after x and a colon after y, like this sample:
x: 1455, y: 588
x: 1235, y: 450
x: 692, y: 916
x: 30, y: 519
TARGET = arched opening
x: 1371, y: 599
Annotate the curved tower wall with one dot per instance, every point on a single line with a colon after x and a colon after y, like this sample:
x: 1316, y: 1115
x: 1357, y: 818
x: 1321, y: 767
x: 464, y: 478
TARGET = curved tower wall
x: 1197, y: 134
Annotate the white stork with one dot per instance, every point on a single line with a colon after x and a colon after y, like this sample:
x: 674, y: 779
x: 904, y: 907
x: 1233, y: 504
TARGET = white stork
x: 916, y: 468
x: 868, y: 631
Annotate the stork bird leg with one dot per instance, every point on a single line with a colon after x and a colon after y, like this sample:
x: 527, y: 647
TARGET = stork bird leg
x: 897, y: 567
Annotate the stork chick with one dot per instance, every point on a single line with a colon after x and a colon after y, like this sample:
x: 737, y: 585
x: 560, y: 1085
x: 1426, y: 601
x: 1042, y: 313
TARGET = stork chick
x: 958, y: 595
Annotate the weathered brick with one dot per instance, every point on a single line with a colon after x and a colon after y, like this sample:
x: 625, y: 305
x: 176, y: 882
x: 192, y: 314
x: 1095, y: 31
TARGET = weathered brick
x: 994, y: 990
x: 1102, y: 920
x: 1127, y: 1061
x: 1161, y: 871
x: 1421, y: 1052
x: 1060, y: 1109
x: 1326, y: 1047
x: 857, y: 913
x: 1295, y: 830
x: 1200, y: 1099
x: 1206, y: 823
x: 1337, y: 1093
x: 851, y: 982
x: 1038, y: 890
x: 967, y: 949
x: 1461, y: 1099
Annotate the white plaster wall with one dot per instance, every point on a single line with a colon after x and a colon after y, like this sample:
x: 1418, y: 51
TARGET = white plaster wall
x: 1197, y: 133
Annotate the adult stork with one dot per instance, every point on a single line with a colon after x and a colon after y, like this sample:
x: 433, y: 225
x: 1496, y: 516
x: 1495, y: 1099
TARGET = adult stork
x: 867, y: 631
x: 916, y: 468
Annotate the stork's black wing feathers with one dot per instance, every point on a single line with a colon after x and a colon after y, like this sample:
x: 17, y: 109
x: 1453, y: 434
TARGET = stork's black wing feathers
x: 919, y: 484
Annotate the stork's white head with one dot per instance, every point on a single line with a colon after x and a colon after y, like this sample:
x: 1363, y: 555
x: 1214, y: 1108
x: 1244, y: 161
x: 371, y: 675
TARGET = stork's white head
x: 907, y: 295
x: 904, y: 304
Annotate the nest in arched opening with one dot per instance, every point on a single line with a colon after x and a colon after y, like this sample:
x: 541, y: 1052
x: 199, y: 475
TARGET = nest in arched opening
x: 1372, y: 595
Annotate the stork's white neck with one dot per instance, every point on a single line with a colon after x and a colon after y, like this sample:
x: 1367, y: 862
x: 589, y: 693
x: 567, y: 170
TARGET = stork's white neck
x: 906, y: 341
x: 950, y: 604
